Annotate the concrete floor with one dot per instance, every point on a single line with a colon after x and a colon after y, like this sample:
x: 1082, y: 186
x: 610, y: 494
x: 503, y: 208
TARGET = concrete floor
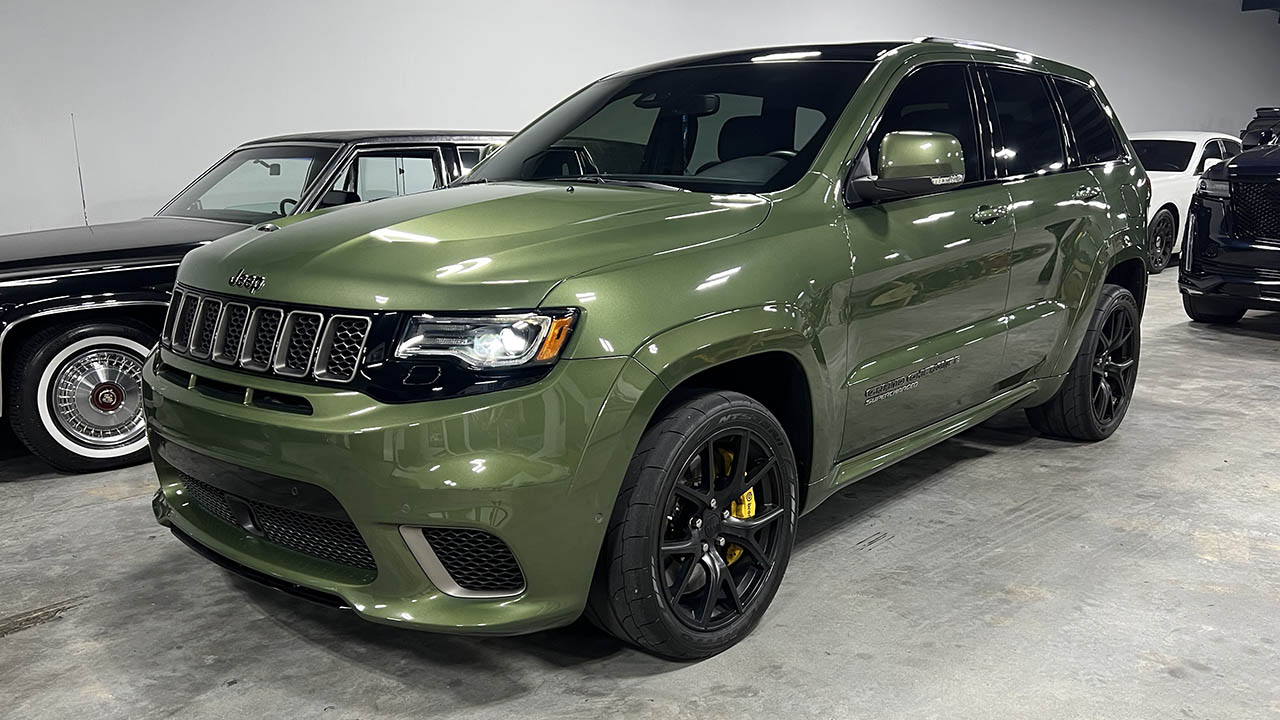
x: 999, y: 574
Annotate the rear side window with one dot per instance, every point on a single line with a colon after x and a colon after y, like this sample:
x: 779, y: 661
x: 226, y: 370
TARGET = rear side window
x: 1030, y: 136
x: 934, y: 98
x: 1232, y: 147
x: 1095, y: 136
x: 1212, y: 151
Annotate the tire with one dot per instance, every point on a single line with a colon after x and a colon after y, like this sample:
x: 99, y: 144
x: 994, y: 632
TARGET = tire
x: 1096, y: 393
x: 1162, y: 236
x: 95, y: 369
x: 1211, y: 310
x: 657, y: 597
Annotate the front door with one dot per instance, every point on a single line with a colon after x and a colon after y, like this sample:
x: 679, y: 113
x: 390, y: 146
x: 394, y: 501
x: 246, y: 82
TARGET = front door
x: 930, y: 276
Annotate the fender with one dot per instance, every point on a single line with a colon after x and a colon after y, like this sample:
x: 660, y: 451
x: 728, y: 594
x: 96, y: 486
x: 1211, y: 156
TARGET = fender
x: 59, y: 303
x: 678, y: 354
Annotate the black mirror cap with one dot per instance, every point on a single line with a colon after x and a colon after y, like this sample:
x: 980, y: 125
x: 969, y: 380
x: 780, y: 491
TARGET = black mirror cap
x: 870, y: 188
x: 334, y: 198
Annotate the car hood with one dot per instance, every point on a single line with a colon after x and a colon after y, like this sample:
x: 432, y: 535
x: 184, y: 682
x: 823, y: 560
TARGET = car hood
x: 476, y: 247
x: 1263, y: 161
x: 143, y: 238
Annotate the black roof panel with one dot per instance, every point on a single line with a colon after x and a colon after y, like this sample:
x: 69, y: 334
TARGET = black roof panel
x: 347, y: 136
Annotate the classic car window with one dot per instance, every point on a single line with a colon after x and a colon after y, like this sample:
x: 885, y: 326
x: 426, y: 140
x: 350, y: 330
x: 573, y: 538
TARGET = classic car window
x: 1095, y: 136
x: 1164, y: 155
x: 383, y: 174
x: 1232, y: 147
x: 469, y: 156
x: 252, y: 185
x: 1030, y: 135
x: 731, y: 128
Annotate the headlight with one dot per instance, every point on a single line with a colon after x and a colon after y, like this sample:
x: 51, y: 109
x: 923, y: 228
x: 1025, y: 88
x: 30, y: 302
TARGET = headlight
x: 491, y: 341
x: 1215, y: 188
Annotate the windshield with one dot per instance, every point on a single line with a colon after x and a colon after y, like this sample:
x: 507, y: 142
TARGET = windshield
x: 744, y: 128
x: 252, y: 185
x: 1164, y: 155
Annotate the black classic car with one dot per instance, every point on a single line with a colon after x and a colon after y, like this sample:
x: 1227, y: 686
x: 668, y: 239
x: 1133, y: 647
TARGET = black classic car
x: 81, y: 307
x: 1231, y: 259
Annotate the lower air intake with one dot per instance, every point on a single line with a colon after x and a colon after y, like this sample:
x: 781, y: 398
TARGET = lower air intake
x: 476, y: 560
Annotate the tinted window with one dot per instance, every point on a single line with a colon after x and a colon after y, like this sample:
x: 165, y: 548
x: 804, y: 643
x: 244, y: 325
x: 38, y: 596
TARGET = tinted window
x: 1164, y: 155
x: 1233, y: 148
x: 469, y: 156
x: 1095, y: 136
x: 1030, y: 136
x: 752, y: 127
x: 252, y: 185
x: 1212, y: 151
x: 934, y: 98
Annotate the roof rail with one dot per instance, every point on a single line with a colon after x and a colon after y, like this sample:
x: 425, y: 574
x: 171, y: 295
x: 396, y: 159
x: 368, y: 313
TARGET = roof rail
x: 978, y: 44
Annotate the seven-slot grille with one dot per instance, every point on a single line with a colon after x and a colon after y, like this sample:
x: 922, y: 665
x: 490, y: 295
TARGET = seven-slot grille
x: 264, y: 339
x: 1257, y: 209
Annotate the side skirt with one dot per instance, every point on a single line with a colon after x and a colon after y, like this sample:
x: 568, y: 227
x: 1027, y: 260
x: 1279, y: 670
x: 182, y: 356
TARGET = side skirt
x: 876, y: 459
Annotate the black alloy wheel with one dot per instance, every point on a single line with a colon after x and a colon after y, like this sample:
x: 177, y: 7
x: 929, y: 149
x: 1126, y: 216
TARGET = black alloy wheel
x: 1115, y: 366
x: 719, y: 536
x: 701, y: 530
x: 1162, y: 236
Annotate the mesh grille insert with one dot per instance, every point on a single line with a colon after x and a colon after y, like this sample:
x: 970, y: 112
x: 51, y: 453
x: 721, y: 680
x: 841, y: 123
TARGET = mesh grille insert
x: 266, y: 323
x: 300, y: 334
x: 206, y: 324
x: 226, y: 348
x: 332, y: 539
x: 476, y: 560
x: 1257, y: 209
x: 340, y: 351
x: 186, y: 321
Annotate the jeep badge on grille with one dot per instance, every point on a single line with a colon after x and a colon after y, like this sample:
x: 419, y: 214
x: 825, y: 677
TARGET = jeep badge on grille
x: 252, y: 283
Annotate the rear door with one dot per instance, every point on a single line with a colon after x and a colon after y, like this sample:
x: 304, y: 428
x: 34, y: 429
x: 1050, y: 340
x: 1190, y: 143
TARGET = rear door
x: 930, y: 274
x: 1059, y: 204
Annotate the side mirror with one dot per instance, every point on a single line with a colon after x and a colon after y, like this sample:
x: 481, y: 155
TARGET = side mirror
x: 1208, y: 163
x: 490, y: 149
x: 912, y: 162
x: 1254, y: 138
x: 334, y: 198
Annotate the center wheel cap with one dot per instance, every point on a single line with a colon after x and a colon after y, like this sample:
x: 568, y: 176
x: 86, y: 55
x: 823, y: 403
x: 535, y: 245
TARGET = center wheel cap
x: 107, y: 397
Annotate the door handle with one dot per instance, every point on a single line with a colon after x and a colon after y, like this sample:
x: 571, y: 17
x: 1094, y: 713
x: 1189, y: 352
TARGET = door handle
x: 987, y: 214
x: 1086, y: 193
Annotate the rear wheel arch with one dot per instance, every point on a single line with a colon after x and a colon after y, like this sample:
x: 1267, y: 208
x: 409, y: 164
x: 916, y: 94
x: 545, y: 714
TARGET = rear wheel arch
x: 1130, y: 273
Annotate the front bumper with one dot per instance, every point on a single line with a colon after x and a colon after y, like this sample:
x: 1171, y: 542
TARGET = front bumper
x: 1221, y: 263
x: 538, y: 467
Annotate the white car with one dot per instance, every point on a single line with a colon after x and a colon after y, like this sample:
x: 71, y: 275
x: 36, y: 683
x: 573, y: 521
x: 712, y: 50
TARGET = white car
x: 1174, y: 162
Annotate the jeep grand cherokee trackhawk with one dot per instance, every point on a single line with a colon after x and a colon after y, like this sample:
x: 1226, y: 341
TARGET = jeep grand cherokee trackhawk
x: 611, y: 367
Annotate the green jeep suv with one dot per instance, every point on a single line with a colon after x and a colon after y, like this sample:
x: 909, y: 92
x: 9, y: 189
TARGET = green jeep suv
x: 609, y: 369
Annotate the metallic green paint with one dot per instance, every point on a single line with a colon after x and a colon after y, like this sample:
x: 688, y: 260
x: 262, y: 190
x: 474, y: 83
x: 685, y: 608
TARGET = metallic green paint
x: 982, y: 316
x: 919, y: 154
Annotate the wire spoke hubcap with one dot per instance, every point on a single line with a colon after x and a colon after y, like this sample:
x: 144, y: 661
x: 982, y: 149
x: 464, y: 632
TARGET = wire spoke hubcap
x: 721, y: 531
x: 96, y: 397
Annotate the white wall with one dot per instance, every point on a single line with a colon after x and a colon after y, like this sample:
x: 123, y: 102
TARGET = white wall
x: 162, y: 88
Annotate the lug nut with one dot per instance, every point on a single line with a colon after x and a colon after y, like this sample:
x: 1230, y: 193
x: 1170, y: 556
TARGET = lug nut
x: 697, y: 523
x: 725, y: 515
x: 713, y: 502
x: 705, y: 547
x: 720, y: 541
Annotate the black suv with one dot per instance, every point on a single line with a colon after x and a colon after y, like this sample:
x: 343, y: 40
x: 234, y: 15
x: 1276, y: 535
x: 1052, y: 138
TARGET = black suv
x: 1231, y: 257
x: 81, y: 307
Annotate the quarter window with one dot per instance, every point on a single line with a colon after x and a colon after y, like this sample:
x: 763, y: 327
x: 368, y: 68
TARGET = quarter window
x: 1095, y: 136
x: 936, y: 99
x: 1030, y: 136
x: 1233, y: 148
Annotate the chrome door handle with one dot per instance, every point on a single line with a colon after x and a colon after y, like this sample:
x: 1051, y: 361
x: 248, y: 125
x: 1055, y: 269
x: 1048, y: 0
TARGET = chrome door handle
x: 987, y: 214
x: 1086, y: 193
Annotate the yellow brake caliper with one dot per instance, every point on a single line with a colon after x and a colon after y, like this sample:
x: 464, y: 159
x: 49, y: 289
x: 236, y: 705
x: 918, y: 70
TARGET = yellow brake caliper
x: 741, y: 508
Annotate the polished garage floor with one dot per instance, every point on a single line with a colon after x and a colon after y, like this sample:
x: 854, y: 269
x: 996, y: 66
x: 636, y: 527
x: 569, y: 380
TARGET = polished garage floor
x: 997, y: 575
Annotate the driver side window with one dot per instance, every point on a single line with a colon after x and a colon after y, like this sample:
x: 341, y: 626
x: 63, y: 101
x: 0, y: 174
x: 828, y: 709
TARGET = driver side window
x: 383, y: 174
x: 936, y: 99
x: 1212, y: 151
